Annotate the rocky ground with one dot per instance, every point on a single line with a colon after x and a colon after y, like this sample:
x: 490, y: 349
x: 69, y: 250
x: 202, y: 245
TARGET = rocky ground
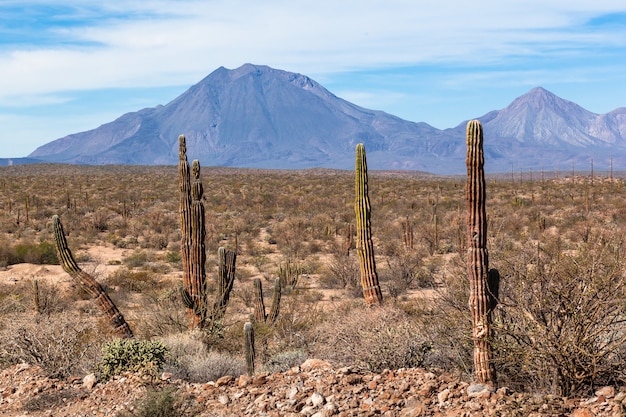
x: 312, y: 389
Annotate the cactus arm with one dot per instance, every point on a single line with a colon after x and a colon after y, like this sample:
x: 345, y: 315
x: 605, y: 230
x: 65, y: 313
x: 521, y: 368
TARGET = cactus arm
x: 259, y: 305
x: 482, y: 299
x: 88, y: 283
x: 275, y: 302
x: 364, y: 245
x: 225, y: 280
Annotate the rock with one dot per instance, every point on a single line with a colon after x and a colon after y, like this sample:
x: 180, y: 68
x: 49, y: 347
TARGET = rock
x: 478, y: 389
x: 606, y: 392
x: 317, y: 400
x: 225, y: 380
x: 311, y: 364
x: 582, y: 412
x: 89, y: 381
x: 443, y: 396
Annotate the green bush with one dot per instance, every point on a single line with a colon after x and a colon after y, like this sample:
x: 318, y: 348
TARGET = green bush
x: 130, y: 355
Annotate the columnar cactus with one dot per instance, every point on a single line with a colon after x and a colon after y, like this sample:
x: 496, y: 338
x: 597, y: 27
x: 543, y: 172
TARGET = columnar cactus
x: 364, y: 244
x: 275, y: 302
x: 197, y: 254
x: 248, y: 333
x: 88, y: 283
x: 259, y: 305
x: 193, y: 253
x: 483, y: 283
x: 185, y: 214
x: 225, y: 281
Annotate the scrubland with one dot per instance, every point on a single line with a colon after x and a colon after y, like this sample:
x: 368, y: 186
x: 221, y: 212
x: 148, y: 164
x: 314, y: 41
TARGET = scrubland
x: 557, y: 240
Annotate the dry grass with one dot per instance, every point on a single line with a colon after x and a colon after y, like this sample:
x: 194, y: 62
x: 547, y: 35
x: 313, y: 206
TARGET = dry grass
x: 300, y: 218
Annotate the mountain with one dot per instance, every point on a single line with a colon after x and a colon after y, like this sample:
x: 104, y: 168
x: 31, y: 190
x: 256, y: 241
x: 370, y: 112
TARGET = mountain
x: 257, y: 116
x: 253, y: 116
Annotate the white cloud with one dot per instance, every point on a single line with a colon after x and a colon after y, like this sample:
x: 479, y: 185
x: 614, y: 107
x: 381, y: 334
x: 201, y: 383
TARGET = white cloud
x: 171, y: 42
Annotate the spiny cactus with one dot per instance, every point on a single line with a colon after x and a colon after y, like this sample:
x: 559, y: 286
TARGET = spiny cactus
x: 483, y: 282
x: 259, y: 304
x: 248, y: 332
x: 364, y: 244
x: 88, y: 283
x: 195, y: 296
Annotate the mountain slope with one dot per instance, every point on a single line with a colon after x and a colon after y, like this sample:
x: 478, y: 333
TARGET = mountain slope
x: 257, y: 116
x: 252, y: 116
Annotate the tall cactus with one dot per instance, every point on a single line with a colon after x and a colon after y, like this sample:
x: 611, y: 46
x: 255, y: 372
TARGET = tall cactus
x: 364, y: 244
x: 193, y: 252
x: 483, y: 282
x: 88, y: 283
x: 184, y: 182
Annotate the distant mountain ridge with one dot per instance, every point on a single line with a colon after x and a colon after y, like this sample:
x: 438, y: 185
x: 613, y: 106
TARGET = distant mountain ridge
x: 257, y: 116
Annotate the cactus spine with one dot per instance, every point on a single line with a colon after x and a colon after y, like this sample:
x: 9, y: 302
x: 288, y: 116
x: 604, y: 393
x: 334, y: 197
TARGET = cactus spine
x: 88, y: 283
x: 364, y: 244
x: 248, y: 333
x: 483, y: 283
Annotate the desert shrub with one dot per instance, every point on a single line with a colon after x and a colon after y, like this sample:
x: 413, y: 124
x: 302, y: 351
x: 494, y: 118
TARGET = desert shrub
x: 136, y: 259
x: 164, y: 313
x: 341, y: 272
x: 371, y: 339
x: 283, y: 361
x: 190, y: 360
x: 560, y: 326
x: 60, y: 344
x: 34, y: 253
x: 159, y: 402
x: 132, y: 355
x: 127, y: 279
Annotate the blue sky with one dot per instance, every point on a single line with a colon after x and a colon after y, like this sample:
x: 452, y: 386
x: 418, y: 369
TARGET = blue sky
x: 67, y: 65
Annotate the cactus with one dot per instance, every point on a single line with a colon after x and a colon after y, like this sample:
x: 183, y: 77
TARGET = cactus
x: 364, y: 244
x: 88, y: 283
x: 248, y: 332
x: 275, y: 302
x: 36, y: 301
x: 349, y: 241
x: 193, y: 252
x: 225, y: 281
x: 483, y: 282
x: 259, y: 304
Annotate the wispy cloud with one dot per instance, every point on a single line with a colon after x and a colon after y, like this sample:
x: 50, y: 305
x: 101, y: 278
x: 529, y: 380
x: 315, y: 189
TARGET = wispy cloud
x: 53, y: 49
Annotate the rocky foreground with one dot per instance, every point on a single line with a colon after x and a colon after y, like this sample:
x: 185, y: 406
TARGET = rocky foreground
x: 312, y: 389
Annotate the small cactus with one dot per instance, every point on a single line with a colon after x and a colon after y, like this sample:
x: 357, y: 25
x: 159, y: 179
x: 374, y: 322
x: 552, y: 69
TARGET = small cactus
x: 364, y: 244
x: 248, y: 332
x: 259, y: 305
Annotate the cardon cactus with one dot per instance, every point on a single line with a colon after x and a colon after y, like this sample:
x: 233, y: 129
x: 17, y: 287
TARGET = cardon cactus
x: 248, y: 334
x: 364, y: 244
x: 259, y: 304
x: 88, y: 283
x: 195, y: 296
x: 483, y: 282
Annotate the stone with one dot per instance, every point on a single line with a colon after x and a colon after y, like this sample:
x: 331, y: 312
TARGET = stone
x: 89, y: 381
x: 606, y: 392
x: 478, y: 389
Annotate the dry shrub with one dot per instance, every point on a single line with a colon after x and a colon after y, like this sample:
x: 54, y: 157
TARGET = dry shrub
x: 60, y: 344
x: 561, y: 326
x: 373, y: 339
x: 190, y: 360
